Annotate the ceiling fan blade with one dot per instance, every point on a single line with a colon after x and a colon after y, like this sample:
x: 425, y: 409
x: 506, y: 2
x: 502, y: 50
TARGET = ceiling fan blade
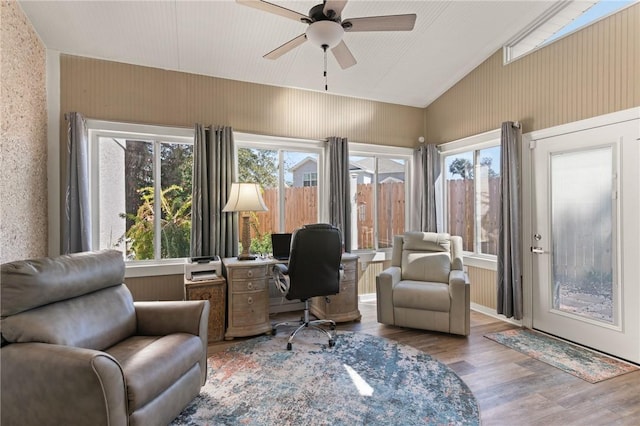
x: 335, y: 5
x: 287, y: 47
x: 343, y: 55
x: 381, y: 23
x: 274, y: 8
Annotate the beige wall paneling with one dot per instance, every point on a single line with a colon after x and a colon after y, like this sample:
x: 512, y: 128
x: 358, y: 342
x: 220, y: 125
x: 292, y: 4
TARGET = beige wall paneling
x: 483, y: 286
x: 589, y: 73
x: 23, y: 146
x: 162, y: 287
x: 130, y: 93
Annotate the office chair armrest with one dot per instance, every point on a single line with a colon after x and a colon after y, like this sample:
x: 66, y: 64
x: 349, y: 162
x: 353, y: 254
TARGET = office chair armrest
x: 281, y: 278
x: 281, y: 268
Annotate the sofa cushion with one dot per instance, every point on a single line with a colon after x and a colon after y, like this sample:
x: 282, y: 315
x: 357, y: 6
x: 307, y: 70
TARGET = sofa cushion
x: 422, y: 295
x: 93, y: 321
x: 151, y: 364
x: 27, y: 284
x: 426, y: 266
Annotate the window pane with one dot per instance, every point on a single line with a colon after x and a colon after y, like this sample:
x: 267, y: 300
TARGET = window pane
x: 459, y: 188
x: 261, y: 166
x: 125, y: 179
x: 488, y: 199
x: 582, y: 232
x: 391, y: 200
x: 175, y: 169
x: 301, y: 196
x: 362, y: 171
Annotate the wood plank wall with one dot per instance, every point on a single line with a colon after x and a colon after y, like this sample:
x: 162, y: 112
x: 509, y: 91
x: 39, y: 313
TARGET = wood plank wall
x: 592, y: 72
x: 165, y: 287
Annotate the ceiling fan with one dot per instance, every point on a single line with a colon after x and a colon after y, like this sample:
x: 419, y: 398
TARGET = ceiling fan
x: 326, y: 27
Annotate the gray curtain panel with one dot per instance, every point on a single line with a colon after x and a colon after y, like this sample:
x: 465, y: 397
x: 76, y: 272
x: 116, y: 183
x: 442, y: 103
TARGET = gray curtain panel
x: 509, y: 276
x: 339, y: 190
x: 212, y: 231
x: 425, y: 172
x: 76, y: 224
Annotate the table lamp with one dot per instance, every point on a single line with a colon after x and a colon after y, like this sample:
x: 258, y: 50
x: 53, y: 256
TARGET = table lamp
x: 245, y: 198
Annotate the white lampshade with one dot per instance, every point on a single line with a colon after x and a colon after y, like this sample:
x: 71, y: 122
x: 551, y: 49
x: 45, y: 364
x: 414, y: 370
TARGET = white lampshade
x: 325, y: 32
x: 245, y: 197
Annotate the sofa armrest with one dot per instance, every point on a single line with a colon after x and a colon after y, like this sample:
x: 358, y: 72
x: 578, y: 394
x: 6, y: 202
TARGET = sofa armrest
x: 53, y: 384
x: 163, y: 318
x: 460, y: 292
x: 385, y: 281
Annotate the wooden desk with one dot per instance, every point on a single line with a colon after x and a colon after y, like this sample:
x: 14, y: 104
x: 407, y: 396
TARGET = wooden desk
x: 215, y: 291
x: 248, y: 296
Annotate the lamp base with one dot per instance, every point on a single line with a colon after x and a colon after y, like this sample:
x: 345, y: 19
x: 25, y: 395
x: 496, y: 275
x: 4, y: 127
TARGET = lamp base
x: 247, y: 257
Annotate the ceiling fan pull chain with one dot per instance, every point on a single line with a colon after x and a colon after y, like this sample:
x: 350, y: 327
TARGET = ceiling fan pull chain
x: 326, y: 85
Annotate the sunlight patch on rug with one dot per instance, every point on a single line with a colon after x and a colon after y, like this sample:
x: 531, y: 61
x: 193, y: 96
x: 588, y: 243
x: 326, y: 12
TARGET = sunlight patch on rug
x: 586, y: 364
x: 363, y: 380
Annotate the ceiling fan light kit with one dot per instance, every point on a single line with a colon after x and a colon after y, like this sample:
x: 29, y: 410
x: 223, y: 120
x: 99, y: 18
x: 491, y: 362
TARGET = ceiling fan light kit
x: 325, y: 33
x: 326, y: 28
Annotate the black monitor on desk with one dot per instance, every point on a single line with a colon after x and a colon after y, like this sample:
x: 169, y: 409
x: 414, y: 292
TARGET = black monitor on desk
x: 281, y: 246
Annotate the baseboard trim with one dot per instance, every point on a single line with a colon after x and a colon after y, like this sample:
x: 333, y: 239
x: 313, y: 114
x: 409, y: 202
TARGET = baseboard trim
x: 492, y: 313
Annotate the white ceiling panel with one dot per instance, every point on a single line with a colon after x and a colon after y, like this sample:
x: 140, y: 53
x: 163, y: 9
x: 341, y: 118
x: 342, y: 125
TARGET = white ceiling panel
x: 228, y: 40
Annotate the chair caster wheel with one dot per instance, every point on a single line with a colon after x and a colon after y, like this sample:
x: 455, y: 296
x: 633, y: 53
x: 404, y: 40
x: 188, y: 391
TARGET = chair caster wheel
x: 332, y: 343
x: 274, y: 331
x: 288, y: 346
x: 333, y: 327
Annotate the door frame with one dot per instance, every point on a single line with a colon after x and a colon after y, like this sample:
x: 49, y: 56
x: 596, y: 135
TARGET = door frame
x: 528, y: 195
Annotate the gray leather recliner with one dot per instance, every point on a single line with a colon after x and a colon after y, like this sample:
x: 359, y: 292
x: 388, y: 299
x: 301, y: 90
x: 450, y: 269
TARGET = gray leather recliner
x: 76, y: 349
x: 426, y: 286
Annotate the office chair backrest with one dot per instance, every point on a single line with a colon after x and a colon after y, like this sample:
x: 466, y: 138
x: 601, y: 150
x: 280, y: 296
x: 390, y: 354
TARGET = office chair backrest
x: 314, y: 264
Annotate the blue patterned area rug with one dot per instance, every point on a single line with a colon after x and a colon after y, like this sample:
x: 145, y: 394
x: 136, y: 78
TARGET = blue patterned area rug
x: 584, y: 363
x: 363, y: 380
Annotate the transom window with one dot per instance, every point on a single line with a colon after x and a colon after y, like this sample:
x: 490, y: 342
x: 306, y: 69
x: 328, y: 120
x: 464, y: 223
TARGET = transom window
x: 561, y: 19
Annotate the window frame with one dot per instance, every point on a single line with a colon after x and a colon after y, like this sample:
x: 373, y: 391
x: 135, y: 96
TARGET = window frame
x: 473, y: 143
x: 280, y: 144
x: 390, y: 152
x: 311, y: 178
x: 158, y: 134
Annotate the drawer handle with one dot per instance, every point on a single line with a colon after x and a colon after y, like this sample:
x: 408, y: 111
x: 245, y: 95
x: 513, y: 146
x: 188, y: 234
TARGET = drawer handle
x: 250, y: 286
x: 250, y: 300
x: 249, y: 273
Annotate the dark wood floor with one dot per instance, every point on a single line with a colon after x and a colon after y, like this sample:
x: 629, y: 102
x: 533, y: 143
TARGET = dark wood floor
x: 511, y: 388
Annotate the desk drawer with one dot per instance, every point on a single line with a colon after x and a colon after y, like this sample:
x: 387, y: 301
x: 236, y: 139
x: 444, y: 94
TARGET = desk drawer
x: 242, y: 286
x: 255, y: 272
x: 249, y: 309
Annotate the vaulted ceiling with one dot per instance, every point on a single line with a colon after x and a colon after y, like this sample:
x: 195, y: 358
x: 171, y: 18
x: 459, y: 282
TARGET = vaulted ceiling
x: 226, y: 39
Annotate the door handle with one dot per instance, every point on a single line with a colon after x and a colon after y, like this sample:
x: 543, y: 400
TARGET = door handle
x: 537, y: 250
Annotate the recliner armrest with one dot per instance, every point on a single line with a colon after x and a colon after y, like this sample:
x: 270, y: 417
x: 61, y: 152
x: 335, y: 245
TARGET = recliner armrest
x: 162, y: 318
x: 385, y: 282
x: 53, y: 384
x: 460, y: 293
x: 458, y: 277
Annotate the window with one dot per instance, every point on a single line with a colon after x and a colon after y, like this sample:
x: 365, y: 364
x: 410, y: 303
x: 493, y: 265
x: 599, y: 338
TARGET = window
x: 131, y: 168
x: 471, y: 194
x: 561, y: 19
x: 310, y: 179
x: 289, y: 178
x: 379, y: 183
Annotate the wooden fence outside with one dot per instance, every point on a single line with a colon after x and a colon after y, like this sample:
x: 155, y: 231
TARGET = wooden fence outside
x: 461, y: 213
x: 302, y: 208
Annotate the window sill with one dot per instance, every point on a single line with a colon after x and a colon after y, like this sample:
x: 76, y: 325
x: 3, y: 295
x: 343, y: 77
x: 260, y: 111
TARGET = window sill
x: 476, y: 261
x: 154, y: 268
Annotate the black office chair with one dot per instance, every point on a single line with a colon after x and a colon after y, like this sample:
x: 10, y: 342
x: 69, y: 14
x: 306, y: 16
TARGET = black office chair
x: 314, y: 269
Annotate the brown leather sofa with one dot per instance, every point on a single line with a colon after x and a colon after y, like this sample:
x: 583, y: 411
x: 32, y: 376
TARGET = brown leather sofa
x: 426, y: 286
x: 77, y: 350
